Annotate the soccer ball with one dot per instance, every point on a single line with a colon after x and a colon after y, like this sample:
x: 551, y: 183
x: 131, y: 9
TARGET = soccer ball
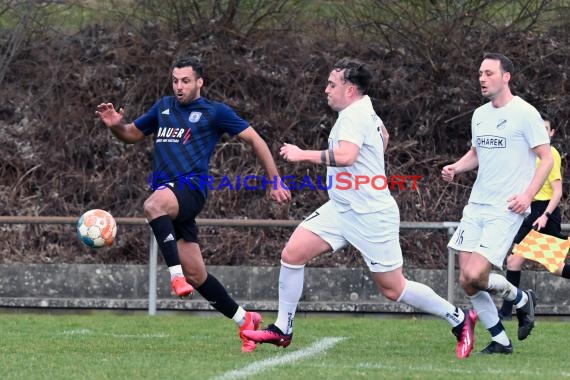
x: 96, y: 228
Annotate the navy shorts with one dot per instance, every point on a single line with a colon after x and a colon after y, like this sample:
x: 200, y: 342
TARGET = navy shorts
x: 190, y: 202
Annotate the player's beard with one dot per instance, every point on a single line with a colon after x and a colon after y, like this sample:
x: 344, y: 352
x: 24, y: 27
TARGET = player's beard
x: 190, y: 97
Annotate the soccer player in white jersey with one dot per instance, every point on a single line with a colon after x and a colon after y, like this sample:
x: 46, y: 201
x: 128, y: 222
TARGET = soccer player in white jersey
x: 367, y: 217
x: 507, y: 136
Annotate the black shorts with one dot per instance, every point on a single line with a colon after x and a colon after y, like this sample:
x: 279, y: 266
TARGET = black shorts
x: 190, y: 202
x: 552, y: 226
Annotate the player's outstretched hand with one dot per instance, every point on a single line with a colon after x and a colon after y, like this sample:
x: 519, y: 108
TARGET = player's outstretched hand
x: 108, y: 114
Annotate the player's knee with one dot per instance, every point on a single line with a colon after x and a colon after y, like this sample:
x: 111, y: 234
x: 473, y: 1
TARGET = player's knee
x: 464, y: 281
x: 391, y: 294
x: 514, y: 263
x: 391, y: 287
x: 152, y: 209
x: 472, y: 280
x: 292, y: 256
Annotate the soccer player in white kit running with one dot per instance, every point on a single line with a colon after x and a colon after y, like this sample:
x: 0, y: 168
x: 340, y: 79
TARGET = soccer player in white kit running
x: 367, y: 217
x: 507, y: 135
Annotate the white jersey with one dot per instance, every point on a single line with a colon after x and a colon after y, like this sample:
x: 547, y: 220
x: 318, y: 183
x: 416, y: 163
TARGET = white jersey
x: 504, y: 138
x: 360, y: 125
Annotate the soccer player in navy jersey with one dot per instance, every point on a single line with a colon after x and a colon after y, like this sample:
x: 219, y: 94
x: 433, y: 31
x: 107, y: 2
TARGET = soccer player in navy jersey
x: 186, y: 129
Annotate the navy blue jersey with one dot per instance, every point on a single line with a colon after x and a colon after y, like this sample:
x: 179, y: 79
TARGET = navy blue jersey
x: 185, y: 135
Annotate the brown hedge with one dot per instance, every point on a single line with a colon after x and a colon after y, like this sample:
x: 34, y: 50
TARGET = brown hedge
x: 56, y: 158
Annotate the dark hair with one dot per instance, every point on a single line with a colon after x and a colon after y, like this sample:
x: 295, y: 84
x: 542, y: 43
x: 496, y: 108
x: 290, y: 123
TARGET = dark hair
x: 189, y: 61
x: 506, y: 64
x: 546, y: 117
x: 355, y: 72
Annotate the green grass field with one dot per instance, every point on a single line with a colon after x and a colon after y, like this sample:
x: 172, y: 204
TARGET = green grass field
x: 107, y: 345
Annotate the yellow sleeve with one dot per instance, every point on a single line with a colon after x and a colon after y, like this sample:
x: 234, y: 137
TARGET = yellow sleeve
x: 555, y: 173
x: 545, y: 192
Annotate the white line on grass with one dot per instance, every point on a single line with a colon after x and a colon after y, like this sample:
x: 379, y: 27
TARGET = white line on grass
x: 119, y: 336
x: 262, y: 365
x: 77, y: 332
x: 138, y: 336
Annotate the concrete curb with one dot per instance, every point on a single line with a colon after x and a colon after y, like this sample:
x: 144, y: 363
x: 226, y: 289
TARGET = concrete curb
x: 350, y: 290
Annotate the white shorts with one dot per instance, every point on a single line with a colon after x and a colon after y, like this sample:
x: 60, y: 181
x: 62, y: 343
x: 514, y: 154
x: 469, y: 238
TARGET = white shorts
x: 487, y: 230
x: 376, y: 235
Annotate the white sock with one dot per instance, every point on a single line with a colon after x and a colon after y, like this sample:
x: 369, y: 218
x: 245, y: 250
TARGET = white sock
x: 485, y: 308
x: 423, y: 297
x: 175, y: 270
x: 502, y: 338
x: 499, y: 286
x: 291, y: 280
x: 239, y: 316
x: 488, y: 315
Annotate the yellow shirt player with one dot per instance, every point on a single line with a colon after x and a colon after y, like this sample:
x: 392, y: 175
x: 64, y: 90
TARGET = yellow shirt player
x: 554, y: 180
x: 544, y: 217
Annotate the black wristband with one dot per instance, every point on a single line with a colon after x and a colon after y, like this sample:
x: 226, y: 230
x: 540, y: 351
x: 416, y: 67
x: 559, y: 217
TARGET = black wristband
x: 547, y: 214
x: 332, y: 161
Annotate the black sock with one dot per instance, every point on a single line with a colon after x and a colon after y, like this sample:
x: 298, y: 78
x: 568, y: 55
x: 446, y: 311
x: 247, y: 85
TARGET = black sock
x: 514, y: 277
x: 566, y: 271
x: 215, y: 293
x: 163, y: 230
